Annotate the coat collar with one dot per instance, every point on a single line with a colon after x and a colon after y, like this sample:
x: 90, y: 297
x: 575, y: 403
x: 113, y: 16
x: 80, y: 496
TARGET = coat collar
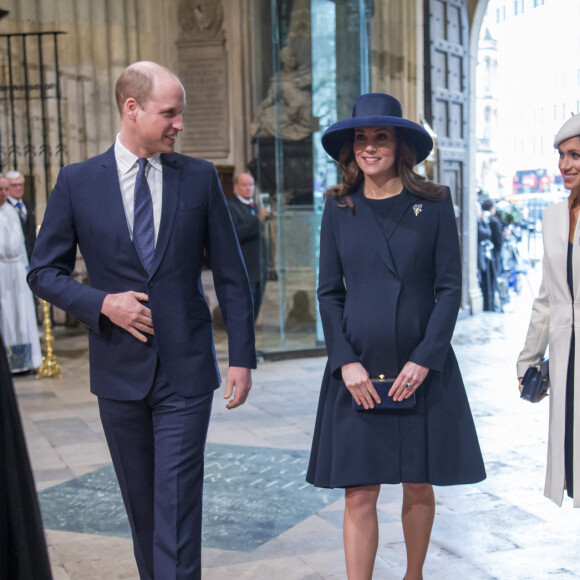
x: 559, y: 236
x: 112, y: 197
x: 575, y: 249
x: 171, y: 190
x: 380, y: 237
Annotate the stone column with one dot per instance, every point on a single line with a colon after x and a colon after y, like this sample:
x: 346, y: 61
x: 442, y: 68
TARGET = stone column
x: 397, y: 53
x: 476, y: 13
x: 348, y: 56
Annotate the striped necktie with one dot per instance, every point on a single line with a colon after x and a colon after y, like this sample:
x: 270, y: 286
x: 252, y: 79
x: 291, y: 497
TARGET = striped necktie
x: 143, y: 227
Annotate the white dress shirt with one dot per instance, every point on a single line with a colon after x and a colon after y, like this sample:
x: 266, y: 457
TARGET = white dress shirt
x: 244, y: 200
x: 127, y: 169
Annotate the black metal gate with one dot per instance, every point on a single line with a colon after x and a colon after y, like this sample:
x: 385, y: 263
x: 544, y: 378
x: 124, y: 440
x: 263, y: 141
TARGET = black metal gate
x: 446, y: 102
x: 31, y: 135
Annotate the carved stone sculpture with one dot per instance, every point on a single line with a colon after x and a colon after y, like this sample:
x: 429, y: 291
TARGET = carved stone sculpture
x: 201, y: 19
x: 291, y: 101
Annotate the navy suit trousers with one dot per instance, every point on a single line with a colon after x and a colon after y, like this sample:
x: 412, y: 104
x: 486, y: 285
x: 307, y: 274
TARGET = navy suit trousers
x: 157, y: 446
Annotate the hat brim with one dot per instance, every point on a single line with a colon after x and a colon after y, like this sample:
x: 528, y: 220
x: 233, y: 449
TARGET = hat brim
x: 569, y: 130
x: 343, y: 132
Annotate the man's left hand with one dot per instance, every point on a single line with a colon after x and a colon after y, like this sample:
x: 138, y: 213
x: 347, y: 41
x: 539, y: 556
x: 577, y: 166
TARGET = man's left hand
x: 238, y: 384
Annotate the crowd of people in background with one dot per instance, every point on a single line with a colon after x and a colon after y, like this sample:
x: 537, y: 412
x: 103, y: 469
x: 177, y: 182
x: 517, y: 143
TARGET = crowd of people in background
x: 498, y: 264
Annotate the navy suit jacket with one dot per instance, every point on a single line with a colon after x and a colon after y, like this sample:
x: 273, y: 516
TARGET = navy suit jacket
x: 86, y: 209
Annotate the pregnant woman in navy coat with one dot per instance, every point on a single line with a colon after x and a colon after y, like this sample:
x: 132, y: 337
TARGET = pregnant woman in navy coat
x: 389, y: 293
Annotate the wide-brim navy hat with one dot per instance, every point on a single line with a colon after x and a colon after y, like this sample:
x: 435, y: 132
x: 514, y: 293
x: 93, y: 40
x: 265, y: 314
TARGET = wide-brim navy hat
x: 377, y: 110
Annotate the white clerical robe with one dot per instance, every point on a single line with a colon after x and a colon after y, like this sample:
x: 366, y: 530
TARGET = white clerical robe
x: 17, y: 315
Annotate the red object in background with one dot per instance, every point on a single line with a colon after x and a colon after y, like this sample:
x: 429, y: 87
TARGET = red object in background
x: 531, y: 181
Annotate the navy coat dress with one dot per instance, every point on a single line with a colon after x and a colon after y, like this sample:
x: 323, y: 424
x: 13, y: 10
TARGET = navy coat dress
x: 389, y: 295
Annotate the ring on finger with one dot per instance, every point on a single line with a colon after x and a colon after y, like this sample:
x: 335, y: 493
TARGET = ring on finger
x: 408, y: 386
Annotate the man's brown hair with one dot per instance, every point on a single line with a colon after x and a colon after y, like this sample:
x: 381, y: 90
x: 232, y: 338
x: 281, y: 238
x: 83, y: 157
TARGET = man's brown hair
x: 136, y: 81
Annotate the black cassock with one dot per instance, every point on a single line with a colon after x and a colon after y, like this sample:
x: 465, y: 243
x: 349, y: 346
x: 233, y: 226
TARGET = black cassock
x: 23, y: 553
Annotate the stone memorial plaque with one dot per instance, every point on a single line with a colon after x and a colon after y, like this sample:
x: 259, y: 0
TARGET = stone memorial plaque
x: 203, y: 72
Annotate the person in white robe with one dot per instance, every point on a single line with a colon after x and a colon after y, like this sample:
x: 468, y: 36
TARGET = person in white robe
x: 18, y: 324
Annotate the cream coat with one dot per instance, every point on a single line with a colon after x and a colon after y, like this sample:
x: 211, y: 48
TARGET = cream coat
x: 553, y: 316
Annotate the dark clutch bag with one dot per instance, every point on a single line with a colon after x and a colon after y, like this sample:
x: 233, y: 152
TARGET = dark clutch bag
x: 536, y: 382
x: 383, y: 386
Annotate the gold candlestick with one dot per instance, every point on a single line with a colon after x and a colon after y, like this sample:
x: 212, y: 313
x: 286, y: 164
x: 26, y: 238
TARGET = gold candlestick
x: 49, y: 366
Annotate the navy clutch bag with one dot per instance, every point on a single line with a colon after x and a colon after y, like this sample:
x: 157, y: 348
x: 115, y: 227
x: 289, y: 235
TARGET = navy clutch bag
x: 536, y: 382
x: 383, y: 385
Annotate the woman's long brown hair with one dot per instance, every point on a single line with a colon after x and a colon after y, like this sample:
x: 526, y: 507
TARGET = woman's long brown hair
x: 353, y: 177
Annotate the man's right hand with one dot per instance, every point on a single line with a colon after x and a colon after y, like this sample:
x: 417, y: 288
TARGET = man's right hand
x: 125, y: 310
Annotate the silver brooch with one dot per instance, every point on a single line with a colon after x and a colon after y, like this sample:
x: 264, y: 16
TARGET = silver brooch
x: 418, y: 208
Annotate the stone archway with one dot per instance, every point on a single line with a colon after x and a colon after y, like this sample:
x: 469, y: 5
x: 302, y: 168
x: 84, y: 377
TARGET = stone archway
x: 476, y: 13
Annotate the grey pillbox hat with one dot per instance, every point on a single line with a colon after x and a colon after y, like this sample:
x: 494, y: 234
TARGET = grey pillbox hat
x: 571, y: 128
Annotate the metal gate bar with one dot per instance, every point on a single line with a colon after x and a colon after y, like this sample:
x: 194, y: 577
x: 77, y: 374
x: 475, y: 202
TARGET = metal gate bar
x: 28, y: 148
x: 11, y: 149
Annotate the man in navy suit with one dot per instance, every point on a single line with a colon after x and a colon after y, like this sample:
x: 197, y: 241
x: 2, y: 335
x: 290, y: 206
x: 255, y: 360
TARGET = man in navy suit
x: 142, y: 217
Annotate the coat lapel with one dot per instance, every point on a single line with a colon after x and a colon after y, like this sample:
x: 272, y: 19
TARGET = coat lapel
x: 565, y: 216
x: 169, y: 207
x: 112, y: 197
x: 401, y: 206
x: 370, y: 227
x: 380, y: 237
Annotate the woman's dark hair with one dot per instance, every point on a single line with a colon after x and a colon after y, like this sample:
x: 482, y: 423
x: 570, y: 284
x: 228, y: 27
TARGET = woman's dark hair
x: 352, y: 176
x: 487, y: 205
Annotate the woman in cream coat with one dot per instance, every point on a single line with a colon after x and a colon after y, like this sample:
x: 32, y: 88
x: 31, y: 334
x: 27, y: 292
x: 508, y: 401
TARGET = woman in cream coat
x: 555, y: 321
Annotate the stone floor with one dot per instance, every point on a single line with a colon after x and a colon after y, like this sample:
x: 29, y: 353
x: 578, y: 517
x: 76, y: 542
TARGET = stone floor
x: 263, y: 522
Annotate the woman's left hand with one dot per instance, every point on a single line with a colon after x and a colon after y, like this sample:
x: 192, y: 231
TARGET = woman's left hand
x: 408, y: 381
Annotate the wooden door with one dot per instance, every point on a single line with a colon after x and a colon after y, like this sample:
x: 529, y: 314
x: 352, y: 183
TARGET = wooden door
x: 446, y: 102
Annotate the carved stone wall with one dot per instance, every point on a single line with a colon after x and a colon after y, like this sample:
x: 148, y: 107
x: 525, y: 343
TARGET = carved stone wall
x: 99, y: 40
x: 397, y: 57
x: 203, y: 70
